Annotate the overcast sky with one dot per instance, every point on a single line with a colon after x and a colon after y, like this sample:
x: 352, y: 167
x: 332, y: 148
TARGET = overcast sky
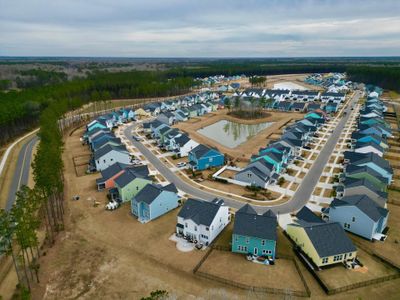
x: 199, y: 28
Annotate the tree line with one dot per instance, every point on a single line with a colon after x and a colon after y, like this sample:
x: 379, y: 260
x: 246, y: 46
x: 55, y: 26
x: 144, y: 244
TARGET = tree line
x: 383, y: 76
x: 20, y: 110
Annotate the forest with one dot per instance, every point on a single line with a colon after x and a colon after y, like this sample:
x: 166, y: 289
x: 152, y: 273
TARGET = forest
x: 20, y: 110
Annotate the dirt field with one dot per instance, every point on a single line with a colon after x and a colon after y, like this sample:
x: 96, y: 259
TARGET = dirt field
x: 338, y: 276
x: 391, y: 247
x: 245, y: 150
x: 235, y: 267
x: 99, y: 248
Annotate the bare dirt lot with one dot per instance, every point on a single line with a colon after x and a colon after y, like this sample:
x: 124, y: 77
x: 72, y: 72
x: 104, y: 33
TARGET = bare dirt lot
x: 245, y: 150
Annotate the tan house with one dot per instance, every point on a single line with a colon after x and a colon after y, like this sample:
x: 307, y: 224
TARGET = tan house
x: 324, y: 243
x: 140, y: 112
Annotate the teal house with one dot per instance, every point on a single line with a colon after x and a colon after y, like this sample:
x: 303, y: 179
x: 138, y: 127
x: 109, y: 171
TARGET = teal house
x: 253, y: 233
x: 129, y: 184
x: 153, y: 201
x: 276, y: 159
x: 203, y: 157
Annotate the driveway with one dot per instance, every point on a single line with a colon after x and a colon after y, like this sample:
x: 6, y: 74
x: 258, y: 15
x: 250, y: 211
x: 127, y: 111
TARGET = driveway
x: 300, y: 197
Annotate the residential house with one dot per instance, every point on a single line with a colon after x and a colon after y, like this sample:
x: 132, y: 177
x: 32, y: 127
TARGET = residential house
x: 370, y: 147
x: 203, y: 157
x: 361, y: 172
x: 298, y: 106
x: 108, y: 155
x: 201, y: 221
x: 360, y: 215
x: 354, y: 186
x: 182, y: 145
x: 372, y: 160
x: 167, y: 118
x: 153, y: 201
x: 130, y: 183
x: 253, y: 233
x: 109, y: 174
x: 333, y: 97
x: 323, y: 243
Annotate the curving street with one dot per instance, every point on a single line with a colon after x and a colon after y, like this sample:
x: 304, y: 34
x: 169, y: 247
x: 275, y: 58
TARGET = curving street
x: 299, y: 199
x: 21, y: 174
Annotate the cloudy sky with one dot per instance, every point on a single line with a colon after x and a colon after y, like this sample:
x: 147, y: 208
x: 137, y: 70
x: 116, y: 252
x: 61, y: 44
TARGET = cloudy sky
x: 199, y: 28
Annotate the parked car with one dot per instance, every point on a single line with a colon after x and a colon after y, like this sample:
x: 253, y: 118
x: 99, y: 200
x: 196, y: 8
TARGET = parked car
x: 136, y: 138
x: 307, y: 147
x: 136, y: 162
x: 112, y: 205
x: 181, y: 165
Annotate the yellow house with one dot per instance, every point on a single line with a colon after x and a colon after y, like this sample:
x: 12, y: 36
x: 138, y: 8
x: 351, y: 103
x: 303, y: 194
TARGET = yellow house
x: 324, y: 243
x: 140, y: 112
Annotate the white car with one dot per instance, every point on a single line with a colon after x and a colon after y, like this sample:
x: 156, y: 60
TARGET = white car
x: 136, y: 162
x: 181, y: 165
x: 112, y: 205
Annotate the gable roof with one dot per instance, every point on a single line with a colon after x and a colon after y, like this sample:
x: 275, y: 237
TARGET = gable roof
x: 199, y: 211
x: 364, y: 204
x: 128, y: 176
x: 112, y: 170
x: 151, y: 191
x: 182, y: 140
x: 328, y: 239
x: 305, y: 214
x: 108, y: 148
x: 361, y: 158
x: 363, y: 182
x: 354, y: 169
x: 249, y: 223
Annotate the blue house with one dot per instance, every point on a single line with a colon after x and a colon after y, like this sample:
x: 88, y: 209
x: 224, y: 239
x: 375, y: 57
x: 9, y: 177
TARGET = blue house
x: 360, y: 215
x: 331, y: 107
x: 276, y: 159
x: 372, y: 160
x: 254, y: 234
x: 153, y: 201
x: 203, y: 157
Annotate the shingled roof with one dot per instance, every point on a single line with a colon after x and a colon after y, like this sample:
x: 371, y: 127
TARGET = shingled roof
x: 328, y: 239
x: 199, y: 211
x: 249, y: 223
x: 363, y: 203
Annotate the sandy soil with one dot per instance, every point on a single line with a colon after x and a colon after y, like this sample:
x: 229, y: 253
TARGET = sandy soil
x: 339, y: 276
x: 245, y: 150
x: 230, y: 266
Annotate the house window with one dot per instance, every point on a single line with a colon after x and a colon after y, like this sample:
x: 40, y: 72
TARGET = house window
x: 236, y: 239
x: 207, y: 229
x: 263, y: 242
x: 137, y: 188
x: 104, y: 160
x: 353, y: 219
x: 195, y: 228
x: 186, y: 225
x: 346, y: 225
x: 350, y: 254
x: 111, y: 159
x: 210, y: 159
x: 247, y: 240
x: 325, y: 260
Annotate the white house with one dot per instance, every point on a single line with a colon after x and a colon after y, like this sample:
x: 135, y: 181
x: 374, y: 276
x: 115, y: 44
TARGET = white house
x: 109, y: 155
x: 368, y: 148
x: 333, y: 97
x: 201, y: 221
x: 182, y: 144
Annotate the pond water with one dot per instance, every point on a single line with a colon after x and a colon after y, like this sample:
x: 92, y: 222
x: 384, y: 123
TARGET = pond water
x: 232, y: 134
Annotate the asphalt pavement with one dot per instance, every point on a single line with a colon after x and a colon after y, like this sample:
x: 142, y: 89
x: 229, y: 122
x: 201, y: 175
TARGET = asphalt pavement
x: 299, y: 199
x: 21, y: 174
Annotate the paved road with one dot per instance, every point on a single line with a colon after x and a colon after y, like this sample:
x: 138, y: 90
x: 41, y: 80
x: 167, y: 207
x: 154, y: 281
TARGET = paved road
x: 299, y: 199
x: 21, y: 174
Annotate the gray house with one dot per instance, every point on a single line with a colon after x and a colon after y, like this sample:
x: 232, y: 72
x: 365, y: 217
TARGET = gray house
x: 362, y: 186
x: 360, y: 215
